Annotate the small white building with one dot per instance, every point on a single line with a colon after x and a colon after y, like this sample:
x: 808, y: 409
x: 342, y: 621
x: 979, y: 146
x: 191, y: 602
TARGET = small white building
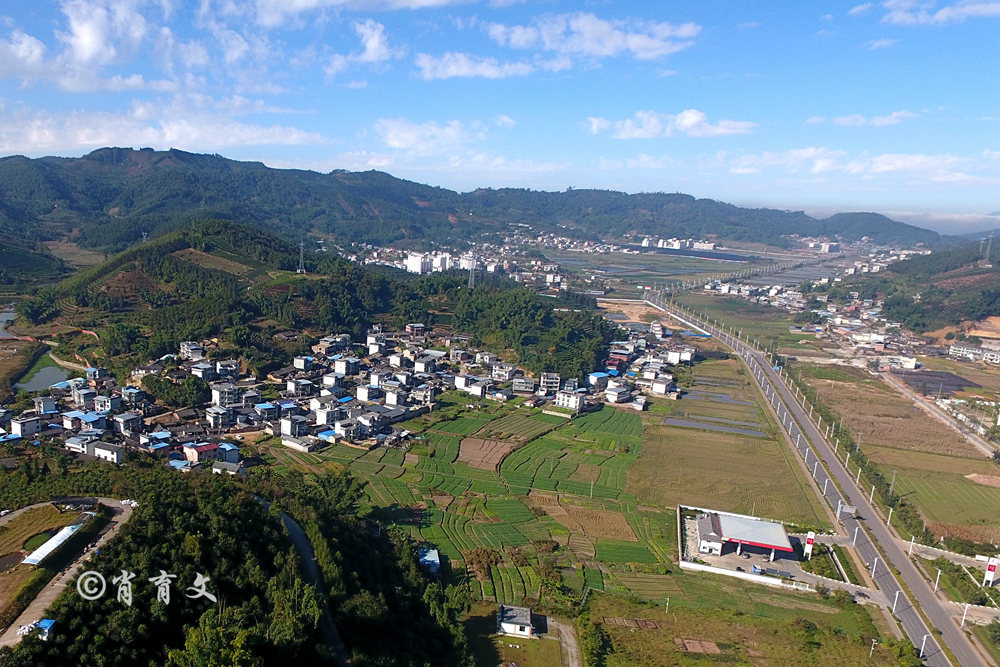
x: 617, y: 394
x: 108, y: 452
x: 25, y: 426
x: 515, y: 621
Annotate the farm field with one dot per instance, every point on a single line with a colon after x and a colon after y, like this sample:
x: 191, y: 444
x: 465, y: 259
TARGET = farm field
x: 13, y: 536
x: 691, y: 466
x: 877, y: 414
x: 509, y: 495
x: 940, y: 486
x: 740, y: 625
x: 761, y: 322
x: 988, y: 378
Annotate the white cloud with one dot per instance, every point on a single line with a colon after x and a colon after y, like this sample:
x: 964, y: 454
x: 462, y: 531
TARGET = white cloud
x: 860, y: 9
x: 915, y: 168
x: 422, y: 138
x: 274, y: 13
x: 183, y: 123
x: 464, y: 65
x: 643, y: 161
x: 505, y: 121
x: 583, y: 34
x: 815, y: 120
x: 826, y: 17
x: 854, y: 120
x: 912, y: 12
x: 598, y: 125
x: 194, y: 55
x: 98, y: 29
x: 375, y: 48
x: 358, y: 84
x: 749, y: 24
x: 693, y: 123
x: 883, y: 43
x: 22, y: 56
x: 857, y: 120
x: 892, y: 119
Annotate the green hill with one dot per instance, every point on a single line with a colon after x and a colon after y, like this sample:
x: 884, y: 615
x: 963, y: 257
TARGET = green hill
x: 108, y: 198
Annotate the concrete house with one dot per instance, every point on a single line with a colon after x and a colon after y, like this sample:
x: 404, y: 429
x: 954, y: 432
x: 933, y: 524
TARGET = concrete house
x: 524, y: 385
x: 300, y: 387
x: 225, y: 393
x: 220, y: 417
x: 550, y: 383
x: 191, y: 350
x: 503, y: 372
x: 201, y: 451
x: 569, y: 400
x: 515, y: 621
x: 45, y: 405
x: 294, y: 426
x: 107, y: 403
x: 109, y: 452
x: 347, y: 366
x: 617, y: 395
x: 127, y: 423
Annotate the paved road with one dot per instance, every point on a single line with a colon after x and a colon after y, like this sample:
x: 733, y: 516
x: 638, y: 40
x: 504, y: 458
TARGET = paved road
x: 315, y: 578
x: 36, y: 610
x: 797, y: 421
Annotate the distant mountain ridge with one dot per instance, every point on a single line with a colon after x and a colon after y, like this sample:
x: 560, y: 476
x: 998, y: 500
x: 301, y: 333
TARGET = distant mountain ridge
x: 109, y: 197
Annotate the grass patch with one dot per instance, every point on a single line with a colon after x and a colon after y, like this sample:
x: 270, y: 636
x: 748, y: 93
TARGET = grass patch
x: 619, y: 551
x: 756, y: 628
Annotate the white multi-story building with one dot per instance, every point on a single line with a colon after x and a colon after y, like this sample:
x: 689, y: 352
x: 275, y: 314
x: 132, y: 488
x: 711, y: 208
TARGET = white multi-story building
x: 570, y: 400
x: 418, y: 262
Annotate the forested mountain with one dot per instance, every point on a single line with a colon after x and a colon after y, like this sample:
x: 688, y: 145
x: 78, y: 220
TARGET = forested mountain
x: 925, y: 293
x: 238, y: 283
x: 108, y: 198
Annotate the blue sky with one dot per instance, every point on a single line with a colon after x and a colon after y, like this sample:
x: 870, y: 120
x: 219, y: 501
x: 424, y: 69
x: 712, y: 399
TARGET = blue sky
x: 823, y: 106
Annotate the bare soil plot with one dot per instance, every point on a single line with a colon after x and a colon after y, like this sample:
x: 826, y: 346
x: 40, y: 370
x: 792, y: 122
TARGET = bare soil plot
x: 696, y: 646
x: 634, y: 311
x: 638, y: 623
x: 600, y: 523
x: 878, y: 415
x: 985, y: 480
x: 485, y: 454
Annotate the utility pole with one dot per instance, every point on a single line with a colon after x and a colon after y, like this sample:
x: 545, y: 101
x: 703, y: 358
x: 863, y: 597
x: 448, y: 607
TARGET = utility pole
x: 302, y: 258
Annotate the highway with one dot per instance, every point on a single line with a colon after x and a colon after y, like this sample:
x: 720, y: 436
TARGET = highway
x: 806, y: 435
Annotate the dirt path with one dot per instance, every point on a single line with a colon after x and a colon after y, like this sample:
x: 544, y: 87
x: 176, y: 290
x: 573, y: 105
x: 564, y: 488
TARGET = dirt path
x: 36, y: 610
x: 568, y: 643
x: 313, y: 576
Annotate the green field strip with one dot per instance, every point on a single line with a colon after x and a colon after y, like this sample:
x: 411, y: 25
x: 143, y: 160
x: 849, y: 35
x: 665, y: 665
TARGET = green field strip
x: 585, y: 489
x: 593, y: 578
x: 384, y: 497
x: 400, y: 492
x: 488, y: 488
x: 454, y: 485
x: 366, y: 468
x: 510, y: 510
x: 531, y: 581
x: 619, y: 551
